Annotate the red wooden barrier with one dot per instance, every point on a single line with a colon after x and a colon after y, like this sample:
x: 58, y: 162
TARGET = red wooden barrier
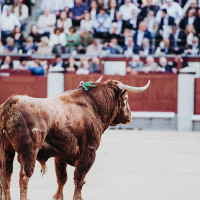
x: 197, y: 97
x: 160, y: 96
x: 34, y: 86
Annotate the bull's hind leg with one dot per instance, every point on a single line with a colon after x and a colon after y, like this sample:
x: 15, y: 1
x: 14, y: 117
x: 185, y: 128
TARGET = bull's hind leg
x: 6, y: 176
x: 61, y: 174
x: 27, y: 162
x: 83, y: 166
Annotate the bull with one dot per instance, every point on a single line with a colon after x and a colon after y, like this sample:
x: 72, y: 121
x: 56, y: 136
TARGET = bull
x: 67, y: 127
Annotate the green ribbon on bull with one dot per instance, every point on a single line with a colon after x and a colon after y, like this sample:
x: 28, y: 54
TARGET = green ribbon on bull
x: 87, y: 84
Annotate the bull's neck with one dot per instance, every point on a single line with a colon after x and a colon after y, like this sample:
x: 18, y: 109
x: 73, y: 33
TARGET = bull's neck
x: 106, y: 107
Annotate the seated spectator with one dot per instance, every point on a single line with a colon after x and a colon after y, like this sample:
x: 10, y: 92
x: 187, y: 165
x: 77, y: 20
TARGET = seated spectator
x: 77, y: 12
x: 164, y: 48
x: 133, y: 22
x: 189, y: 18
x: 135, y: 65
x: 2, y: 47
x: 197, y: 23
x: 87, y: 23
x: 71, y: 66
x: 126, y: 11
x: 130, y: 47
x: 114, y: 33
x: 18, y: 37
x: 166, y: 20
x: 102, y: 24
x: 84, y: 66
x: 141, y: 33
x: 29, y: 47
x: 10, y: 46
x: 177, y: 40
x: 43, y: 46
x: 94, y: 10
x: 118, y: 21
x: 7, y: 23
x: 2, y: 7
x: 164, y: 66
x: 59, y: 64
x: 179, y: 63
x: 150, y: 65
x: 165, y: 25
x: 34, y: 33
x: 112, y: 10
x: 190, y: 33
x: 173, y: 9
x: 102, y: 4
x: 64, y: 22
x: 73, y: 40
x: 112, y: 47
x: 57, y: 41
x: 95, y: 48
x: 22, y: 64
x: 146, y: 8
x: 151, y: 23
x: 46, y: 22
x: 194, y: 48
x: 57, y: 5
x: 126, y: 34
x: 6, y: 63
x: 85, y: 40
x: 37, y: 68
x: 94, y: 65
x: 145, y: 49
x: 21, y: 11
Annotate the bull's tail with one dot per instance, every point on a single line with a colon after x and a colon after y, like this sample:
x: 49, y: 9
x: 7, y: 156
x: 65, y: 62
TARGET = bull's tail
x: 2, y: 151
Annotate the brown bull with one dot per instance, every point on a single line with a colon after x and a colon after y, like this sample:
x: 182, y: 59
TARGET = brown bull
x: 67, y: 127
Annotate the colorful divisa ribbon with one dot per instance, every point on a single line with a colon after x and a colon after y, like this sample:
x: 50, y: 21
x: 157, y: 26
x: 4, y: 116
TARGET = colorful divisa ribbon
x: 86, y: 84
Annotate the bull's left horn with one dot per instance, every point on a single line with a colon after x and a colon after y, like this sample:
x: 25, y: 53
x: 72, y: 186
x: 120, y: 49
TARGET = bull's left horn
x: 134, y: 89
x: 99, y: 80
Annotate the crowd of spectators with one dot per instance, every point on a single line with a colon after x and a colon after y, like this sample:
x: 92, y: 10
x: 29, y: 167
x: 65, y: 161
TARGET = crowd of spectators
x: 101, y: 27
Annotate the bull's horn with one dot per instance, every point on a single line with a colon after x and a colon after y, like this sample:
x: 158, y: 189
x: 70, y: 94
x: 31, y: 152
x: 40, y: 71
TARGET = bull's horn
x: 99, y: 80
x: 134, y: 89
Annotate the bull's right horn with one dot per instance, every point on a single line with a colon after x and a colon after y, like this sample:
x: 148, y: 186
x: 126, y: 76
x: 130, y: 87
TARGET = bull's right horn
x: 133, y: 89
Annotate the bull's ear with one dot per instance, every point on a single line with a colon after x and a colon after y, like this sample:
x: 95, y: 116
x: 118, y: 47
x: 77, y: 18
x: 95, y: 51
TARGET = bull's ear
x: 121, y: 92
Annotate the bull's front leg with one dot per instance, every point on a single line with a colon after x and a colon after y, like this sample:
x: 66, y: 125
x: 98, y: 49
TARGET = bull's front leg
x: 83, y: 166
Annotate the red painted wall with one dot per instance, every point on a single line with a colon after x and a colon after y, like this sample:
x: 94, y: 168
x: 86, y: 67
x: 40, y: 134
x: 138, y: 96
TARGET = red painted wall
x: 160, y: 96
x: 197, y: 97
x: 35, y: 86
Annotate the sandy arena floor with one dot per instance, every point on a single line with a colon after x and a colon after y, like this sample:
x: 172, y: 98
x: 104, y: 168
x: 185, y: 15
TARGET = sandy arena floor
x: 130, y: 165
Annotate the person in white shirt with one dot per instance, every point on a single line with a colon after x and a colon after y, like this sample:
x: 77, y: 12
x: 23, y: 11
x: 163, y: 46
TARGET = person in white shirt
x: 56, y: 5
x: 64, y: 22
x: 8, y: 21
x: 102, y: 24
x: 21, y: 11
x: 84, y: 66
x: 46, y: 22
x: 57, y: 41
x: 126, y: 11
x: 173, y: 9
x: 86, y: 23
x: 151, y: 23
x: 93, y: 10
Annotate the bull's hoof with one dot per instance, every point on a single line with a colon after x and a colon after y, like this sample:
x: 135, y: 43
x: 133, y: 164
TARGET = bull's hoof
x: 58, y: 198
x: 77, y: 198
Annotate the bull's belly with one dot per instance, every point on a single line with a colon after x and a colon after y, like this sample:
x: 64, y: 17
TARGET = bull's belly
x: 63, y: 146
